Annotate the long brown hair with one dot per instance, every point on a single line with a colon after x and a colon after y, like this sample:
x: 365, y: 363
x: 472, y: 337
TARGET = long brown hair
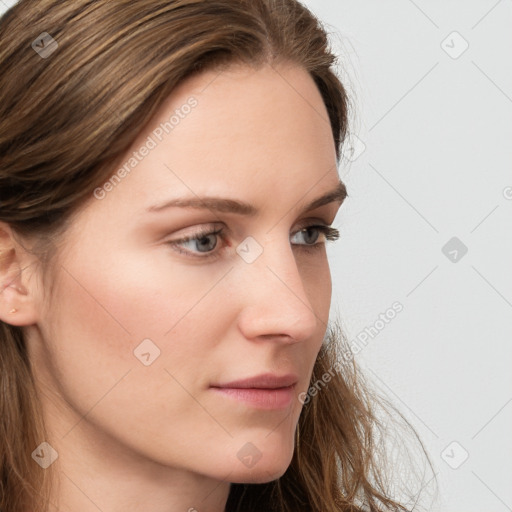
x: 66, y: 119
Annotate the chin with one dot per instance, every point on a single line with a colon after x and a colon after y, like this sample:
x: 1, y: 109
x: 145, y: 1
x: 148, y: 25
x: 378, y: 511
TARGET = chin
x: 271, y: 465
x: 260, y: 475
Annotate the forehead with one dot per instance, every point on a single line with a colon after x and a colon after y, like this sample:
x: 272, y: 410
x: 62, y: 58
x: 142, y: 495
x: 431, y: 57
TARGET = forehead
x: 241, y: 132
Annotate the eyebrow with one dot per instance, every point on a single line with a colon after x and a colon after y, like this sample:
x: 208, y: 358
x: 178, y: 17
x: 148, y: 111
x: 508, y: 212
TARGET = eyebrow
x: 225, y: 205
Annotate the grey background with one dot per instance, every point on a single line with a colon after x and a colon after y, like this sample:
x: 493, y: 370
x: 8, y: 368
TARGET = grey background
x: 431, y: 132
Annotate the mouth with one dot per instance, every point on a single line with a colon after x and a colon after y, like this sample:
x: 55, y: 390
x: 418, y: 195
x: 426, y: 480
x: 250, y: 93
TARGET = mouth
x: 266, y: 391
x: 259, y: 398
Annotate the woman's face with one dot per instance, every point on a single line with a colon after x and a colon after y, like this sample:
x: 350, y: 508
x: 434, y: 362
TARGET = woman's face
x: 141, y: 325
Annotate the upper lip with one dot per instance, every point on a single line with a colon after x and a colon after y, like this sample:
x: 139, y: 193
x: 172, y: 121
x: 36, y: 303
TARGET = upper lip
x: 263, y: 381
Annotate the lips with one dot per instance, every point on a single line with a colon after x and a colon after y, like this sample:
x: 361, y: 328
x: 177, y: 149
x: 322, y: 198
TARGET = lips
x: 266, y: 391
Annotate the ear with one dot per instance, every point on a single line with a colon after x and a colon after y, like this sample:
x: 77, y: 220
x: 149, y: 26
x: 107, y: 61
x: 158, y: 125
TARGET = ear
x: 17, y: 290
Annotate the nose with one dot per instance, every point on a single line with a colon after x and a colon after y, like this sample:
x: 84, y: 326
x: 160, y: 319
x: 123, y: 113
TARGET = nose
x: 275, y: 301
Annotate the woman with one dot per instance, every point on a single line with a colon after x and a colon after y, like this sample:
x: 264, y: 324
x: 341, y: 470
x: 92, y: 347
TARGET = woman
x: 164, y: 346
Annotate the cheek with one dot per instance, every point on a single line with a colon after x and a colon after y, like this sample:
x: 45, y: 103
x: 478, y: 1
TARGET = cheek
x: 104, y: 312
x: 317, y: 282
x: 99, y: 318
x: 137, y: 296
x: 318, y: 286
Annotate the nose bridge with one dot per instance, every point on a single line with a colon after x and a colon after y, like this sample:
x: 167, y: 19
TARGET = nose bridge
x: 275, y: 294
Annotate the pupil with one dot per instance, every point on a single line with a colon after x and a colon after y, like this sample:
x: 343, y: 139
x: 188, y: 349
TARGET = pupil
x: 205, y: 238
x: 308, y: 232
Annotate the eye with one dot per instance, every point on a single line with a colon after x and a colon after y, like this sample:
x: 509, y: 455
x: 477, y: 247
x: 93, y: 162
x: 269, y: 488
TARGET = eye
x: 330, y: 233
x: 205, y: 241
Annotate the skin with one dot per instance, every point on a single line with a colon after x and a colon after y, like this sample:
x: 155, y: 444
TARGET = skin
x: 130, y: 436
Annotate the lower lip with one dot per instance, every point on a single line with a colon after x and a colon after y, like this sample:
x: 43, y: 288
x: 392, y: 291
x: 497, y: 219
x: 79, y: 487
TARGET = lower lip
x: 278, y: 398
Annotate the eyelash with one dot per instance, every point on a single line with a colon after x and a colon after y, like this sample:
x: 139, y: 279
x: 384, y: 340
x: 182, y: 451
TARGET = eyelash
x: 330, y: 233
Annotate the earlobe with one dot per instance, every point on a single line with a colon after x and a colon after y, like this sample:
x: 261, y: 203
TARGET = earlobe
x: 16, y: 301
x: 16, y: 304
